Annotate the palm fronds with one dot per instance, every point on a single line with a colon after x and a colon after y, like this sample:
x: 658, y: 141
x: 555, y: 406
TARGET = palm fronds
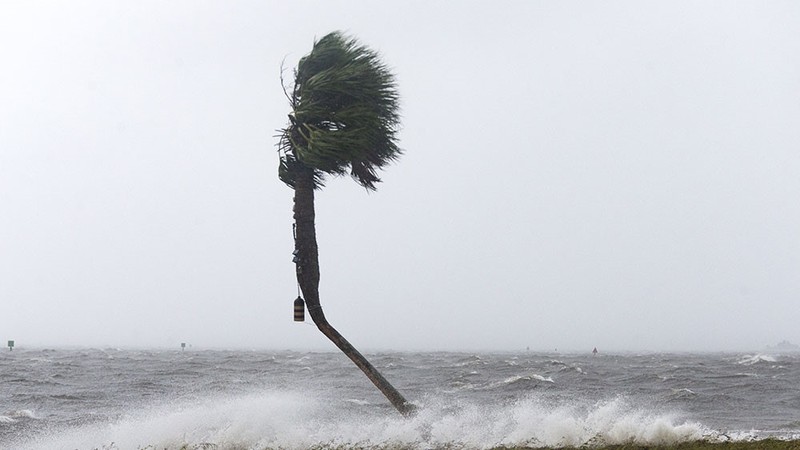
x: 344, y: 114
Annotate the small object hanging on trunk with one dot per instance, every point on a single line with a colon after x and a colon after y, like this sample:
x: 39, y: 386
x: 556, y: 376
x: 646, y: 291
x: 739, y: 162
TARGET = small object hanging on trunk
x: 299, y: 310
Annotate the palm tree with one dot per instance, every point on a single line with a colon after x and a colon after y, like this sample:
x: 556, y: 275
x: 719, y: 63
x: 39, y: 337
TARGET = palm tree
x: 344, y: 119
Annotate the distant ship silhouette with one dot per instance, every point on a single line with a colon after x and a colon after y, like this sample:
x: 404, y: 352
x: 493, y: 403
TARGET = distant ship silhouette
x: 784, y: 346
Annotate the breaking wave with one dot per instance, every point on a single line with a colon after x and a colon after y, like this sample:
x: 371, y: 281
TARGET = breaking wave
x: 13, y: 416
x: 293, y: 421
x: 749, y: 360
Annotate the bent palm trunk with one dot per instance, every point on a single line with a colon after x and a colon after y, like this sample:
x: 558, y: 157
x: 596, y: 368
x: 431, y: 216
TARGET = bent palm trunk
x: 308, y: 277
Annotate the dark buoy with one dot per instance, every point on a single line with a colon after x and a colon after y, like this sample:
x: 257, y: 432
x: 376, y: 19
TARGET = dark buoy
x: 10, y: 345
x: 299, y: 310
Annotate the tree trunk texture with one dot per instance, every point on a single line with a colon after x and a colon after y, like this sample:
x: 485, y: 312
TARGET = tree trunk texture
x: 307, y: 268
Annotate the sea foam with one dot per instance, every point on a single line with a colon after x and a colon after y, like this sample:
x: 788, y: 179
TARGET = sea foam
x: 291, y: 420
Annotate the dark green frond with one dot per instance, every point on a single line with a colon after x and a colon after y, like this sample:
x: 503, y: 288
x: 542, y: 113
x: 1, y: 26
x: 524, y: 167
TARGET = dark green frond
x: 288, y: 167
x: 345, y: 111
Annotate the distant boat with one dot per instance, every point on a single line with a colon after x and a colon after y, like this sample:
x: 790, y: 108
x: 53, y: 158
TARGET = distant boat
x: 594, y: 352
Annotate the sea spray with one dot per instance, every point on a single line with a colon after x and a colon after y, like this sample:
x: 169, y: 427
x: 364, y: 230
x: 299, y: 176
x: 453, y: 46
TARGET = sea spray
x: 294, y: 421
x: 532, y: 422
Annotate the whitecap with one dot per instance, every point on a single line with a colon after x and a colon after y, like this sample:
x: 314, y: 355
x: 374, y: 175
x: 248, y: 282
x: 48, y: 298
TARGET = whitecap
x: 519, y: 378
x: 683, y: 393
x: 542, y: 378
x: 41, y: 360
x: 14, y: 416
x: 514, y: 379
x: 26, y: 413
x: 749, y: 360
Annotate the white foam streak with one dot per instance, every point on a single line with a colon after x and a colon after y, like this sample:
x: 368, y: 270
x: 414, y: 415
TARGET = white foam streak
x: 293, y: 421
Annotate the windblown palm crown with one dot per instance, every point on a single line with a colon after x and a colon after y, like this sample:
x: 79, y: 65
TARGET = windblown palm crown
x: 344, y: 114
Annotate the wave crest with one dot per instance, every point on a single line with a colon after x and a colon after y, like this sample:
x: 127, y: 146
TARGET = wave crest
x: 293, y: 421
x: 749, y: 360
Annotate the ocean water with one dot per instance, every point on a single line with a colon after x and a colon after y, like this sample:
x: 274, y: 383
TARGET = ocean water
x: 204, y: 399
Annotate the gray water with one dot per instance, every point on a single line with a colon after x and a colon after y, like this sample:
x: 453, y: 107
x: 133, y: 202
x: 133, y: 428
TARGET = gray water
x: 126, y: 399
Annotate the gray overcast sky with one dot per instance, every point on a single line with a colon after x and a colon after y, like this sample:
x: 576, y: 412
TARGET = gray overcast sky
x: 623, y: 175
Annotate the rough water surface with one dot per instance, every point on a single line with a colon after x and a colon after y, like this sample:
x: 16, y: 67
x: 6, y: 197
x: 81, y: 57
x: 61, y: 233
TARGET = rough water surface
x: 128, y: 399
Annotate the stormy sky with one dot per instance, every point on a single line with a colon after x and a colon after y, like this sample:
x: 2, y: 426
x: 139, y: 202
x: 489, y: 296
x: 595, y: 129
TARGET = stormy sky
x: 620, y: 175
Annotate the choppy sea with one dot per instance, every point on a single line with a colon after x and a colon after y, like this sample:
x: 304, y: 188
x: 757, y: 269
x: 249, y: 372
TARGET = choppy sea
x: 138, y: 399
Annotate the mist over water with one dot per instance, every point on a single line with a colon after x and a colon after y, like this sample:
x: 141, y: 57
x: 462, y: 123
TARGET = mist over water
x: 254, y: 400
x: 291, y: 420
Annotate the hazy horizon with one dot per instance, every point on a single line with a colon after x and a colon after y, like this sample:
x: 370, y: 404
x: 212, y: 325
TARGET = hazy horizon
x: 327, y: 347
x: 330, y: 348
